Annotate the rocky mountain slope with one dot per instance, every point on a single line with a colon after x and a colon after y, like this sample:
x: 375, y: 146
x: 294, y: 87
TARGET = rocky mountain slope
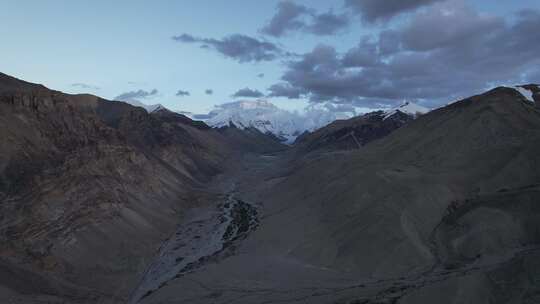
x: 530, y: 91
x: 103, y: 202
x: 358, y: 131
x: 261, y: 115
x: 353, y: 133
x: 89, y: 188
x: 443, y: 209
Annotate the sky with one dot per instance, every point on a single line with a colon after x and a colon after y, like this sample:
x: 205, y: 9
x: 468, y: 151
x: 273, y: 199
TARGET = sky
x: 192, y: 55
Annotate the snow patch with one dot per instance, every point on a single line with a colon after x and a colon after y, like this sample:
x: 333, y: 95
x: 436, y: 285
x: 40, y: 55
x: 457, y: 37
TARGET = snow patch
x: 148, y: 108
x: 409, y: 108
x: 528, y: 94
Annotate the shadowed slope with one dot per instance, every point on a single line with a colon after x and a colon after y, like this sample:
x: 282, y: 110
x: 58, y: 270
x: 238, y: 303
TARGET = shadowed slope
x: 416, y: 217
x: 89, y: 188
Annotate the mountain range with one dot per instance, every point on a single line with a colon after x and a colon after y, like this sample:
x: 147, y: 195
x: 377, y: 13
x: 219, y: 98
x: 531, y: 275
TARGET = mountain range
x: 285, y: 125
x: 105, y: 202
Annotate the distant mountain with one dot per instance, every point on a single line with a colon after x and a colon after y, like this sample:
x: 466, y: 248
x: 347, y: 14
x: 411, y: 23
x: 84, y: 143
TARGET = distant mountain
x: 358, y: 131
x: 530, y: 91
x: 408, y: 108
x: 149, y: 108
x: 265, y: 117
x: 285, y: 125
x: 261, y: 115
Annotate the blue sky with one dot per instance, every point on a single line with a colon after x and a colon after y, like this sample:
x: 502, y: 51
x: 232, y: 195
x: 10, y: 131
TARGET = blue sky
x: 119, y: 46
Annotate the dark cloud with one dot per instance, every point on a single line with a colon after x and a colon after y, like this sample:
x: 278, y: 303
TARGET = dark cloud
x: 376, y: 10
x: 365, y: 54
x: 285, y: 90
x: 238, y: 47
x: 182, y: 93
x: 447, y: 25
x: 134, y: 95
x: 287, y: 18
x: 247, y: 92
x: 208, y: 91
x: 327, y: 23
x: 389, y: 42
x: 85, y: 86
x: 291, y: 17
x: 446, y: 52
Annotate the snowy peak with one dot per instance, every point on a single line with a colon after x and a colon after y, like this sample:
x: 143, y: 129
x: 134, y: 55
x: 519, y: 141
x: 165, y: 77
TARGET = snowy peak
x: 269, y: 119
x: 148, y: 108
x: 408, y: 108
x: 261, y: 115
x: 530, y: 91
x: 157, y: 108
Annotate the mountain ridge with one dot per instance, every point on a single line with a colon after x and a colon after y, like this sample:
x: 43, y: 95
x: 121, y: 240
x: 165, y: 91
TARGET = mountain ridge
x: 440, y: 210
x: 104, y: 202
x: 90, y: 187
x: 287, y: 126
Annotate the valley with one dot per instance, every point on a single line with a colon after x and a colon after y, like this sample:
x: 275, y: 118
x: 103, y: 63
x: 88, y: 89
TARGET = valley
x: 270, y: 152
x: 277, y: 276
x: 126, y: 206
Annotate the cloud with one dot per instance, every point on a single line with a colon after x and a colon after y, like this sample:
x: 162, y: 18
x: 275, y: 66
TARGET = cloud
x: 85, y: 86
x: 377, y: 10
x: 247, y: 92
x: 182, y: 93
x: 238, y: 47
x: 134, y: 95
x: 208, y: 91
x: 444, y: 52
x: 327, y: 23
x: 204, y: 116
x: 260, y: 75
x: 186, y: 113
x: 446, y: 25
x: 389, y: 42
x: 364, y: 55
x: 290, y: 17
x: 339, y: 108
x: 285, y: 90
x: 287, y: 18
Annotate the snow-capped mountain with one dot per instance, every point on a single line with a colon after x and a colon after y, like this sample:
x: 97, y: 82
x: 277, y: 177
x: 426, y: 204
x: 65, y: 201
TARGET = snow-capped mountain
x: 269, y: 119
x: 260, y: 114
x: 286, y: 125
x: 531, y: 92
x: 148, y: 108
x: 408, y: 108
